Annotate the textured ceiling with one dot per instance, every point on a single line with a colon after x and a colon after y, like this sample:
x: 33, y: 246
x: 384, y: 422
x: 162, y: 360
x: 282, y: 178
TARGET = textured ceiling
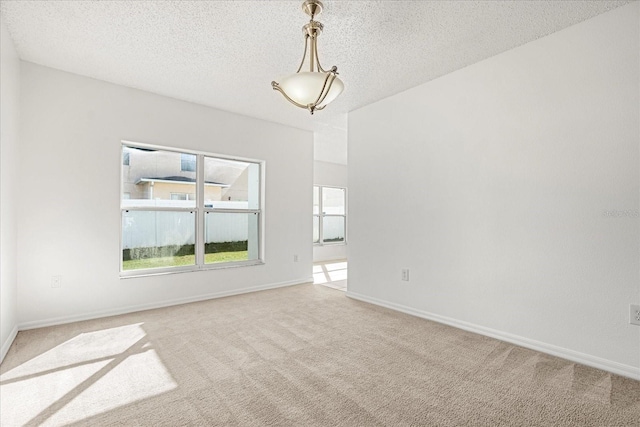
x: 224, y: 54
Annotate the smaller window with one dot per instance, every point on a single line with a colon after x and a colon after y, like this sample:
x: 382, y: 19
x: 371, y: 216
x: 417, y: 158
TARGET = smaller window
x: 329, y: 215
x: 126, y: 158
x: 187, y: 162
x: 182, y: 196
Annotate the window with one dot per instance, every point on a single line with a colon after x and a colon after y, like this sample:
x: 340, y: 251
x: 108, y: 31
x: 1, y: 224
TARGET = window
x: 187, y: 162
x: 125, y: 158
x: 231, y: 212
x: 329, y: 215
x: 182, y: 196
x: 172, y: 222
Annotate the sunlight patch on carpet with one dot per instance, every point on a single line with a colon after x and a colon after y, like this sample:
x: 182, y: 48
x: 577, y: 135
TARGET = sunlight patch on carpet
x: 87, y: 375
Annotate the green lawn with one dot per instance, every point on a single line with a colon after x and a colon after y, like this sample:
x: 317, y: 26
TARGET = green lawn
x: 136, y: 264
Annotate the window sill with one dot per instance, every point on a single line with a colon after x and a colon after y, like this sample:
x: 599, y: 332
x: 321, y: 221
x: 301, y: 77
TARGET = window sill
x: 132, y: 274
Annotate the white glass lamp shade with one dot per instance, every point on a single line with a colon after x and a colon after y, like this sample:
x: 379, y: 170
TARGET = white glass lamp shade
x: 305, y: 87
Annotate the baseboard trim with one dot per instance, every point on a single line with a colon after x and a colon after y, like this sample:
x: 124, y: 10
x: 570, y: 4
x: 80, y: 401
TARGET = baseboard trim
x: 6, y: 345
x: 142, y: 307
x: 574, y: 356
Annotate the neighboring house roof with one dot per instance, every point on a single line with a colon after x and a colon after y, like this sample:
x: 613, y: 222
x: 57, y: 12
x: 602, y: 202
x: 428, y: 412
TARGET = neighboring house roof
x: 179, y: 180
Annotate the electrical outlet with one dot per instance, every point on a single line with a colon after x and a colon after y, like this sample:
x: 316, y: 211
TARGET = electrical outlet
x: 634, y: 314
x: 56, y: 281
x: 295, y: 258
x: 405, y: 274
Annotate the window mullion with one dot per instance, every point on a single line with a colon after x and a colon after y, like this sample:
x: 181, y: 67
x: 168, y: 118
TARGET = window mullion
x: 218, y: 210
x: 321, y: 216
x: 199, y: 248
x: 158, y: 208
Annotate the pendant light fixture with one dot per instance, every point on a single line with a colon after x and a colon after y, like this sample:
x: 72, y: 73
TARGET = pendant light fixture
x: 316, y: 88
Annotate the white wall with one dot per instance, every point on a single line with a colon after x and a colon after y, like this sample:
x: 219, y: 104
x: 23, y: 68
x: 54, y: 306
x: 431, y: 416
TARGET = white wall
x: 330, y: 174
x: 69, y: 195
x: 9, y: 124
x: 497, y: 178
x: 330, y: 138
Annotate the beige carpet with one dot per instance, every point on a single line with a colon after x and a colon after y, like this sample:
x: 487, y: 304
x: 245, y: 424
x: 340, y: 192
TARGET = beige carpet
x: 300, y: 356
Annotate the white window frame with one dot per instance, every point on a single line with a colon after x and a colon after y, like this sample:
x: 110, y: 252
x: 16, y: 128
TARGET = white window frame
x: 200, y: 211
x: 321, y: 215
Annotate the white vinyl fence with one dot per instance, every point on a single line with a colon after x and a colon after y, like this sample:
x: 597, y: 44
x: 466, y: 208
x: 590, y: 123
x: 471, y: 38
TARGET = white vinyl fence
x: 144, y: 229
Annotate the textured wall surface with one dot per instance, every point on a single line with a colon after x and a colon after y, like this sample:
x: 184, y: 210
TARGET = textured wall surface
x: 499, y: 180
x: 72, y: 128
x: 9, y: 110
